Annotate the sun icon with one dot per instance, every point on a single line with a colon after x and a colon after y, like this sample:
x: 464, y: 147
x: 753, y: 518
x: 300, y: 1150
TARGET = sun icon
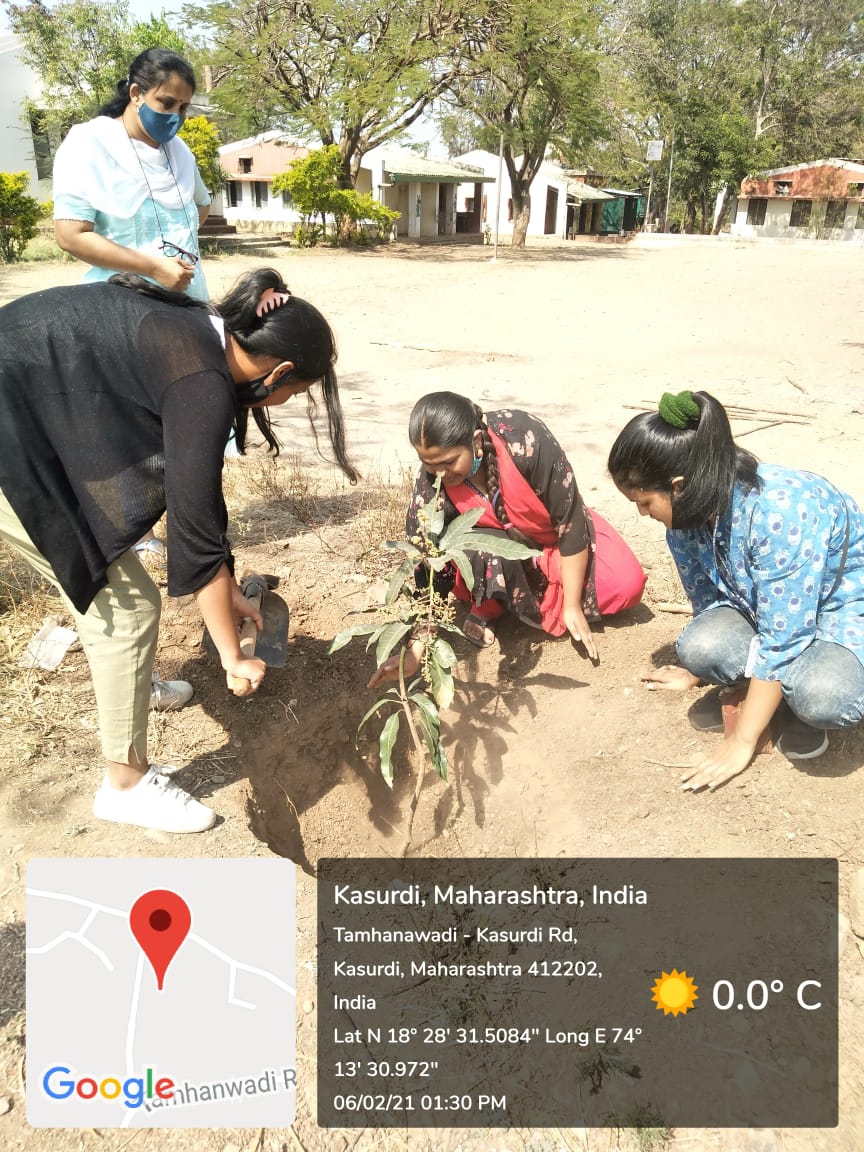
x: 674, y: 992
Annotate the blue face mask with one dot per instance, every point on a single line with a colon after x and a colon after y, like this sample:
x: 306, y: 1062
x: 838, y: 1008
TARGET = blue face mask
x: 159, y: 126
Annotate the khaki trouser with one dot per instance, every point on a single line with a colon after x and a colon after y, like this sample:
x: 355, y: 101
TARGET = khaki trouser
x: 118, y: 633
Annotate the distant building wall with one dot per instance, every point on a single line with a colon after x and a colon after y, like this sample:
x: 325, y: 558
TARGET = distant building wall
x: 799, y: 218
x: 550, y: 176
x: 18, y: 82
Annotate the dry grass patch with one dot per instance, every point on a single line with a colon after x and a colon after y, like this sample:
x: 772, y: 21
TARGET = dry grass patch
x: 271, y: 500
x: 37, y: 705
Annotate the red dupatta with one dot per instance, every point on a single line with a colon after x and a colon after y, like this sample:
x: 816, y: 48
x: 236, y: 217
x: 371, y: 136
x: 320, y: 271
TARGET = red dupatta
x: 527, y: 512
x: 529, y: 515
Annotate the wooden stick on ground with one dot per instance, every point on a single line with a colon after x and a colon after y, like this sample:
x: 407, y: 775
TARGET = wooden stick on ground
x: 762, y: 427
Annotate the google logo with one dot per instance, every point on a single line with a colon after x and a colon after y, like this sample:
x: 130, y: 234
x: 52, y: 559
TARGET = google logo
x: 135, y: 1090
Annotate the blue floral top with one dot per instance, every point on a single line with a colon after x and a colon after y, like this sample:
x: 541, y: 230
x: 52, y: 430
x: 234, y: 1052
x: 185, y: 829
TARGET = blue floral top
x: 775, y: 557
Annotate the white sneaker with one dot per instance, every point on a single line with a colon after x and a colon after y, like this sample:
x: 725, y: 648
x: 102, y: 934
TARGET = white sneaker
x: 153, y: 803
x: 169, y: 695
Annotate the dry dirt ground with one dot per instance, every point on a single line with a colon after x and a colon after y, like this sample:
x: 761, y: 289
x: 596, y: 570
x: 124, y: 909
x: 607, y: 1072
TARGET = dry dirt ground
x: 550, y: 755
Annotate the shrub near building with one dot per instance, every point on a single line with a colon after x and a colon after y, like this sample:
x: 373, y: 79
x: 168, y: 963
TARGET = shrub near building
x: 19, y: 216
x: 313, y: 185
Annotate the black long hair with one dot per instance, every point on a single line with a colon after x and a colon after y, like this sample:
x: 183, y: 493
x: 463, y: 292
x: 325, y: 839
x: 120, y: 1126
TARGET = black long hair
x: 149, y: 69
x: 447, y: 420
x: 650, y: 453
x: 294, y: 331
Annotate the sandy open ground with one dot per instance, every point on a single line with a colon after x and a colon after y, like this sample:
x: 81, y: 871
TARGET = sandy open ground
x: 550, y: 756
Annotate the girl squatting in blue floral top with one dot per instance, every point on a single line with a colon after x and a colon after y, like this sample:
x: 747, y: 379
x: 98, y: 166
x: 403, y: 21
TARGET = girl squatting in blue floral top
x: 772, y: 560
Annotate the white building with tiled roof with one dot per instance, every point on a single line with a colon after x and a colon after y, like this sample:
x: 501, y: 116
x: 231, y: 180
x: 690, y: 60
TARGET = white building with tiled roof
x: 422, y: 191
x: 251, y: 165
x: 560, y: 204
x: 819, y: 200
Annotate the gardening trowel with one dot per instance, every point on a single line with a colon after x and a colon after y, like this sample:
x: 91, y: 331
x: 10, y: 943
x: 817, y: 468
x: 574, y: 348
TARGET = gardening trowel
x: 271, y: 643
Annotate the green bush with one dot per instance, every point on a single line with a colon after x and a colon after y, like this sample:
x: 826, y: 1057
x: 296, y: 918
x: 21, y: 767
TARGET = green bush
x: 19, y: 216
x: 307, y: 235
x: 313, y: 184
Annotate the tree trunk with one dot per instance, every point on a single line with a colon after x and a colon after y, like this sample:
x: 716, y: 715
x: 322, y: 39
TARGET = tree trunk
x: 348, y: 174
x: 721, y: 211
x: 521, y: 215
x: 690, y: 215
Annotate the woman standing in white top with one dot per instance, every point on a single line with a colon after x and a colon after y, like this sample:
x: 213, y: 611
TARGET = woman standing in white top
x: 128, y: 196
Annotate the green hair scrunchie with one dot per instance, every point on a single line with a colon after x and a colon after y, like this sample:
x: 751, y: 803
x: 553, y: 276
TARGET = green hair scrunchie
x: 678, y: 410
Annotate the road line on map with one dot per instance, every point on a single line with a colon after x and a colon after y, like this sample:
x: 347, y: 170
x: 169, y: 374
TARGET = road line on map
x: 246, y: 967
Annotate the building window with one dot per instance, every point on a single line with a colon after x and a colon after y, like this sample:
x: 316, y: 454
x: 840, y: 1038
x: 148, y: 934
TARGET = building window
x: 235, y: 193
x: 835, y: 213
x: 244, y: 164
x: 286, y: 200
x: 801, y: 210
x: 259, y: 191
x: 859, y: 219
x: 855, y: 189
x: 756, y: 211
x: 469, y: 203
x: 782, y: 187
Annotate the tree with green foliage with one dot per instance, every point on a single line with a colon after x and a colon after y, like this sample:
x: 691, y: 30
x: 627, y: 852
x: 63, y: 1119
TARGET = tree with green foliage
x: 680, y: 57
x: 354, y: 75
x: 202, y: 137
x: 313, y: 183
x: 80, y: 49
x: 19, y: 215
x: 803, y: 73
x: 741, y: 86
x: 534, y: 81
x: 460, y: 131
x: 310, y: 180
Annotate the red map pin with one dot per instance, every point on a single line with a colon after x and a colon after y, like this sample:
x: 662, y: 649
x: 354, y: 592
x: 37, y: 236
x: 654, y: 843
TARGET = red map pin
x: 160, y: 922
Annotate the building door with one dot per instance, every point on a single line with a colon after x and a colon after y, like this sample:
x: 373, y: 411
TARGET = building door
x: 443, y: 189
x: 551, y: 211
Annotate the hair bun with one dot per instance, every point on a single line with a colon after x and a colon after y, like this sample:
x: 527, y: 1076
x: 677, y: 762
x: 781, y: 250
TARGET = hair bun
x: 678, y: 410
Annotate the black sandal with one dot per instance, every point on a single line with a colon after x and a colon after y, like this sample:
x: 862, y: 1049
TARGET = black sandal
x: 483, y: 626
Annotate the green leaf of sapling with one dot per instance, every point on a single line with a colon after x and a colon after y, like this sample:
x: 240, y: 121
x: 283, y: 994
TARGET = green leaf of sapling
x: 376, y: 707
x: 498, y: 546
x: 386, y: 742
x: 457, y: 528
x: 443, y: 688
x: 398, y: 581
x: 460, y: 559
x: 443, y: 653
x: 389, y: 638
x: 347, y: 634
x: 432, y: 735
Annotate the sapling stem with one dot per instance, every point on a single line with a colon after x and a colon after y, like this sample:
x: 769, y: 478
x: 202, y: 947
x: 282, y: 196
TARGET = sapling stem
x: 406, y: 707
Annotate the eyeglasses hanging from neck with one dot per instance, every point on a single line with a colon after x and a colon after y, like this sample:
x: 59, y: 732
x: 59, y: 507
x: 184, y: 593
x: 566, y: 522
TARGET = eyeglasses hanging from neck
x: 168, y: 248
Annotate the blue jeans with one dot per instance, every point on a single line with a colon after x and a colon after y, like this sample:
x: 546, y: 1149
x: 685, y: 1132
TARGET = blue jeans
x: 824, y: 687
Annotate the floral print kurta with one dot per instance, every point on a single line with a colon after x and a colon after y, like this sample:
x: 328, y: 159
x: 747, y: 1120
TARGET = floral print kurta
x: 775, y: 558
x: 541, y: 461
